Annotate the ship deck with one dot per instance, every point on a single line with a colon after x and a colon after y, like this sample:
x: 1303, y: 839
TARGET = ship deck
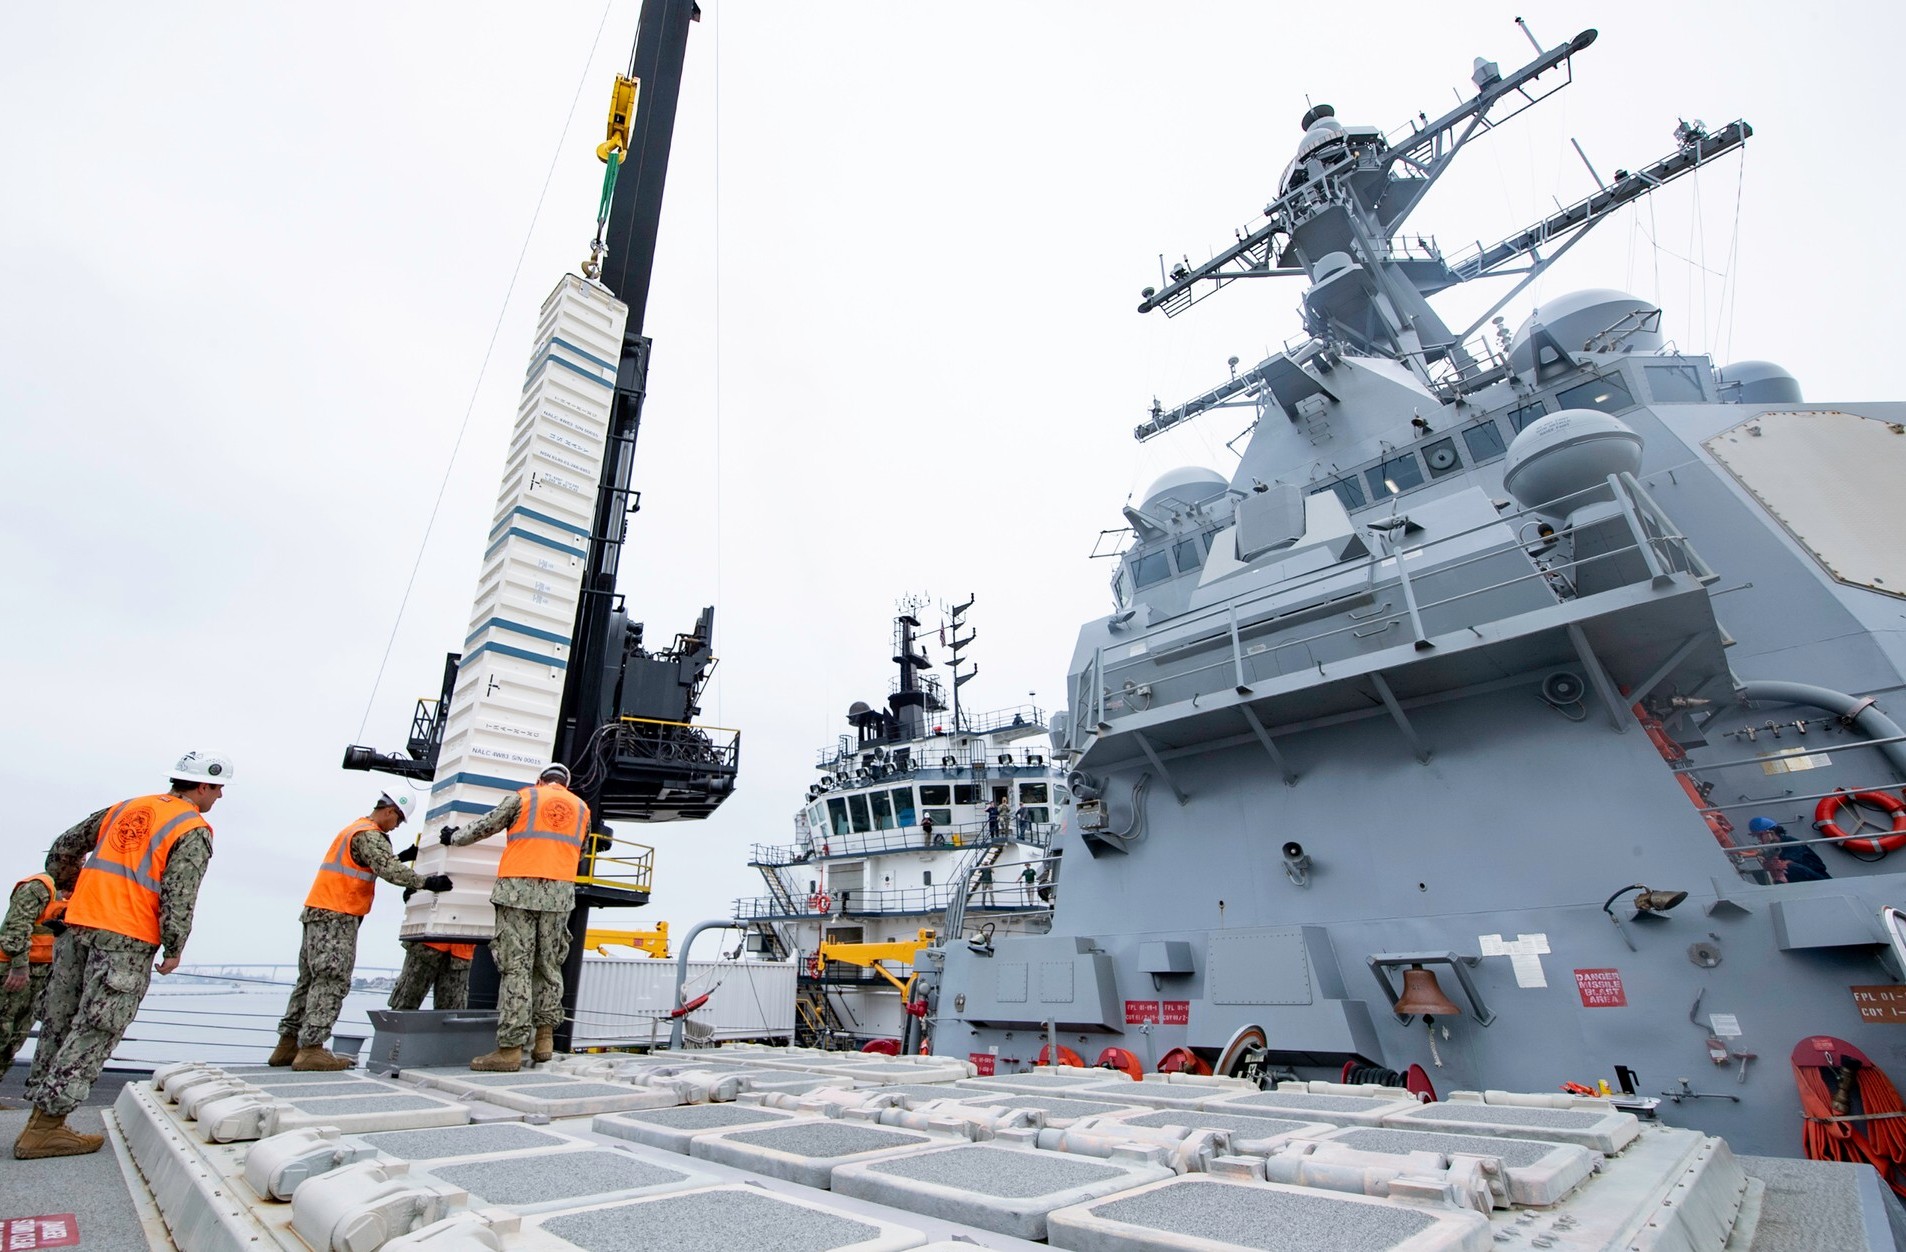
x: 801, y: 1151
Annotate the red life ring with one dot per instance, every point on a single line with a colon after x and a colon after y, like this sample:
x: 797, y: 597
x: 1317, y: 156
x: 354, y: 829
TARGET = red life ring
x: 1826, y: 821
x: 818, y: 902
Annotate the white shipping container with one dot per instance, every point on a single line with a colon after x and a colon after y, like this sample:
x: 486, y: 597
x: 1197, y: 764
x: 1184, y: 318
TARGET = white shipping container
x: 500, y: 729
x: 625, y: 1001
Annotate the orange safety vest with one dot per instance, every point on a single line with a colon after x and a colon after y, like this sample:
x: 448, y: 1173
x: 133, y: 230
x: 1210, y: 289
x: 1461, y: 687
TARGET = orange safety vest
x: 546, y: 837
x: 40, y: 948
x: 459, y: 951
x: 342, y: 885
x: 118, y: 888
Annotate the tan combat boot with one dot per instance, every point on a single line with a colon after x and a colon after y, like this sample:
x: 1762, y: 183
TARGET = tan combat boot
x: 501, y: 1061
x: 545, y: 1045
x: 48, y: 1135
x: 319, y: 1060
x: 285, y: 1053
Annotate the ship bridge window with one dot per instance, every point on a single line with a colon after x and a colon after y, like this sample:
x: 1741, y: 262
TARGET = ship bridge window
x: 1521, y: 417
x: 1485, y: 442
x: 1037, y: 814
x: 883, y: 810
x: 1607, y: 394
x: 1122, y: 588
x: 1347, y: 490
x: 1679, y: 383
x: 942, y: 818
x: 966, y: 793
x: 903, y: 805
x: 935, y: 793
x: 837, y: 815
x: 1152, y: 568
x: 1188, y: 554
x: 857, y: 809
x: 1402, y: 473
x: 1032, y: 793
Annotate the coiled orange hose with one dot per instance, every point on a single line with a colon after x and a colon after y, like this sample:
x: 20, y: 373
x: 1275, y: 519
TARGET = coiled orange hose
x: 1870, y: 1135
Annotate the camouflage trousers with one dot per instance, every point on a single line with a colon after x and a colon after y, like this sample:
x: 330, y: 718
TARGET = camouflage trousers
x: 18, y: 1011
x: 529, y: 949
x: 325, y: 961
x: 427, y: 969
x: 97, y: 981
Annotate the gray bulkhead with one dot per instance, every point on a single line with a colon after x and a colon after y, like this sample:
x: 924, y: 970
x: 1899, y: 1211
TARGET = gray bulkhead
x: 1523, y: 818
x: 1488, y: 633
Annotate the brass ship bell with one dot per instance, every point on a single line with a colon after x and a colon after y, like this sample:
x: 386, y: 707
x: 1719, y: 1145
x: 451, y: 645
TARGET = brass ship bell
x: 1422, y: 994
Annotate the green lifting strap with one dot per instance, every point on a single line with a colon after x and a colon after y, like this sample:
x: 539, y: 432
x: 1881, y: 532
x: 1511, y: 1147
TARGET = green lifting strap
x: 614, y: 163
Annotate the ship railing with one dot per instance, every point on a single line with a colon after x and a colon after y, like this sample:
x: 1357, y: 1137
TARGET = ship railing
x: 946, y: 754
x: 1015, y: 717
x: 928, y: 683
x: 979, y: 761
x: 1108, y: 689
x: 618, y: 863
x: 1479, y: 360
x: 679, y: 742
x: 907, y: 839
x: 1802, y: 757
x: 1410, y: 248
x: 848, y: 765
x: 1007, y: 893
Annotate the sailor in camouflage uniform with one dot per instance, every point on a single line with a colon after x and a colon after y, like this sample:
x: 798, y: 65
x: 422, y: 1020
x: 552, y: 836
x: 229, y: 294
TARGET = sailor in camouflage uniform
x: 440, y: 969
x: 535, y: 890
x: 144, y: 861
x: 339, y: 900
x: 32, y: 924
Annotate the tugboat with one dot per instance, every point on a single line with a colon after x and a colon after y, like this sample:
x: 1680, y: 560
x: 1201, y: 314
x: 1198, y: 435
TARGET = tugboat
x: 1514, y: 714
x: 924, y: 816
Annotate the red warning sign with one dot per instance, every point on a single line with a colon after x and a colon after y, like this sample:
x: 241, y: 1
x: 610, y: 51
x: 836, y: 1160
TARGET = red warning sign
x: 1883, y: 1003
x: 1601, y: 988
x: 984, y: 1062
x: 28, y: 1234
x: 1157, y: 1012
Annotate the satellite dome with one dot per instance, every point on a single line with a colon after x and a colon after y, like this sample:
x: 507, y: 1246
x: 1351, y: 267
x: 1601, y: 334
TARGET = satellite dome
x: 1558, y: 464
x: 1317, y: 134
x: 857, y: 708
x: 1186, y: 485
x: 1758, y: 382
x: 1329, y: 265
x: 1569, y: 323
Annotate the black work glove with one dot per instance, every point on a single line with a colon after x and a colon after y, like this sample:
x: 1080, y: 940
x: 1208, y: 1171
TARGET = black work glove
x: 408, y: 854
x: 436, y: 882
x: 55, y: 926
x: 409, y: 892
x: 443, y: 836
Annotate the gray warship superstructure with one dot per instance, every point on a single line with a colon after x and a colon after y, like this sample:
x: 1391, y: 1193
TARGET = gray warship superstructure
x: 1479, y: 666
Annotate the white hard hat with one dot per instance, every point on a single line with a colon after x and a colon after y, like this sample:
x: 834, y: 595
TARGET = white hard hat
x: 555, y: 771
x: 400, y: 802
x: 203, y: 767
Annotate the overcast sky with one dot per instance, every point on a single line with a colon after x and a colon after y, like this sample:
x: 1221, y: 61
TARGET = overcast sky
x: 251, y: 256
